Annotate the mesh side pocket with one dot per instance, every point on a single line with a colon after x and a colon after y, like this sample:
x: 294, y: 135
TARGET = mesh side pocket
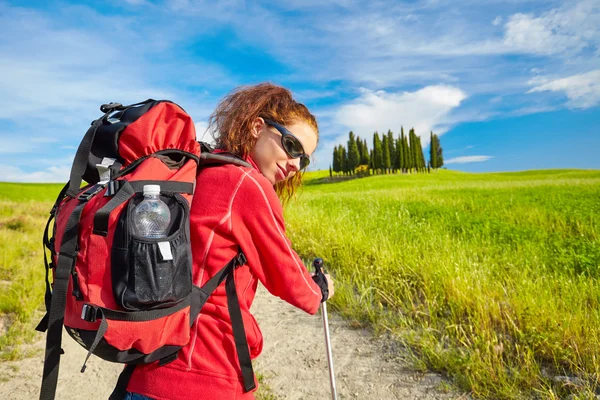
x: 156, y: 280
x: 152, y: 273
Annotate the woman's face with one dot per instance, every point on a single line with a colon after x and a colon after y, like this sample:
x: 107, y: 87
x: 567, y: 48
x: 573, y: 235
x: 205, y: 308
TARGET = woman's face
x: 268, y: 153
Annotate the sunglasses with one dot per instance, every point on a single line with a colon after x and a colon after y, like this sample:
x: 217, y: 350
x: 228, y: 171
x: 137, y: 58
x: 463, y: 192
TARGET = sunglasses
x: 290, y: 144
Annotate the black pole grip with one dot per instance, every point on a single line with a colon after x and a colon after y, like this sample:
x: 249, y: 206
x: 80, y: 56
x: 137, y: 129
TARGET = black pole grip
x: 318, y: 264
x: 320, y: 278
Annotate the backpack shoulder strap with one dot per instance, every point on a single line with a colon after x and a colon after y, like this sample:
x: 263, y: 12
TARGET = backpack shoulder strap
x: 208, y: 158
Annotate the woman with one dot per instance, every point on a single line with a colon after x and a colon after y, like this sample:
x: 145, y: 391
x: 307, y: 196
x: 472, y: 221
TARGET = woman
x: 235, y: 208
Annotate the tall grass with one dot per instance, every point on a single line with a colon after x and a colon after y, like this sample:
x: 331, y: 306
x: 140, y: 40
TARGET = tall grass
x: 24, y: 210
x: 491, y: 278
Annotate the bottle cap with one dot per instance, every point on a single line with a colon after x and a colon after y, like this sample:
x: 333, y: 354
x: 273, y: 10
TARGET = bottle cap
x: 151, y: 189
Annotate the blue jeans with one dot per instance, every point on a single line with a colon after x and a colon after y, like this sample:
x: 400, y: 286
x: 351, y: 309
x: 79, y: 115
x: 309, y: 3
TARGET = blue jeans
x: 135, y: 396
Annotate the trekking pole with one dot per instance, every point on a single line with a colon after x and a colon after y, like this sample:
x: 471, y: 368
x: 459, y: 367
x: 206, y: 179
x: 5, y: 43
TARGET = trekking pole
x: 318, y: 264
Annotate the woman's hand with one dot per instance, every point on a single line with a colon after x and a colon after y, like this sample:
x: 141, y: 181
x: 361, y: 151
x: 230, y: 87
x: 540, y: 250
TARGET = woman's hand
x: 319, y: 281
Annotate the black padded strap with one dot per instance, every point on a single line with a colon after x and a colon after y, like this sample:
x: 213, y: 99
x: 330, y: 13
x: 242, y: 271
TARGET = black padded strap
x: 200, y: 294
x: 239, y: 334
x: 101, y: 216
x: 211, y: 159
x: 66, y: 262
x: 81, y: 158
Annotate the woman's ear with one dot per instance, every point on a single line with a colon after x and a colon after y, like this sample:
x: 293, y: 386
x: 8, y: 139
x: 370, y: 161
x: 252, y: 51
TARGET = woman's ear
x: 257, y: 126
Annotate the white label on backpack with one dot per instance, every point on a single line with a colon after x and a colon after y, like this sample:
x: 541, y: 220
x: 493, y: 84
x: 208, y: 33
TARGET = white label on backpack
x: 103, y: 169
x: 108, y: 161
x: 165, y: 250
x: 103, y: 173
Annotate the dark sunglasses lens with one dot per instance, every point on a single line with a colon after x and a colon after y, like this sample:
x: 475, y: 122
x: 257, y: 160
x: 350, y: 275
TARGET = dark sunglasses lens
x: 292, y: 146
x: 304, y: 161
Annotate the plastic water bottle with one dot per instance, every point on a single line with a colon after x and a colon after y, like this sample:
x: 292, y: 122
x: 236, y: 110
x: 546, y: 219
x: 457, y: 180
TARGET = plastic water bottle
x: 152, y: 216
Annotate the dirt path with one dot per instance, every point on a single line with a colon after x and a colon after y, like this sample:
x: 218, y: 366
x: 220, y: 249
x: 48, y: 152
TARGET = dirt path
x: 293, y: 363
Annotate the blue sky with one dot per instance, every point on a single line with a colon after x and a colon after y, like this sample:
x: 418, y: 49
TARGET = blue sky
x: 509, y: 85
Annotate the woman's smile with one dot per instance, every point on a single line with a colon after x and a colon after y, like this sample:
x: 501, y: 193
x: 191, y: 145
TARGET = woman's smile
x: 282, y: 172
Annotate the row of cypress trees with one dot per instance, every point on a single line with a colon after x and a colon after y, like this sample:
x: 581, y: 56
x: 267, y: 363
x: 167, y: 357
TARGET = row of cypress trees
x: 388, y: 155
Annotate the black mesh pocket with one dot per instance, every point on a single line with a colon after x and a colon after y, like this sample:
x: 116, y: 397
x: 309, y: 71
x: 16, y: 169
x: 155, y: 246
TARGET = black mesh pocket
x: 152, y: 273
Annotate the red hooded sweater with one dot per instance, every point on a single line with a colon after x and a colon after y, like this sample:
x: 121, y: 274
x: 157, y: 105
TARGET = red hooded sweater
x: 232, y: 206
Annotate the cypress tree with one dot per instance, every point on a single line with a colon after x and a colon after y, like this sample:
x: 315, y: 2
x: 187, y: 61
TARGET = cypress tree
x: 439, y: 153
x: 405, y: 151
x: 420, y: 155
x: 398, y: 154
x: 330, y: 171
x: 413, y: 149
x: 386, y: 159
x: 366, y: 156
x: 377, y: 153
x: 412, y: 152
x: 336, y: 159
x: 392, y: 149
x: 353, y: 156
x: 359, y: 147
x: 344, y: 158
x: 371, y: 161
x: 432, y: 150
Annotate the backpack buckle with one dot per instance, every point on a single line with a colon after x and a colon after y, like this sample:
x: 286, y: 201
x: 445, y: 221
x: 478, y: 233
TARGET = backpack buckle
x: 106, y: 108
x: 241, y: 259
x: 114, y: 187
x: 88, y: 313
x: 85, y: 196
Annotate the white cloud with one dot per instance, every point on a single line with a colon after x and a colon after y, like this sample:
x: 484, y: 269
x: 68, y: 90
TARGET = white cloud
x: 467, y: 159
x: 497, y: 21
x: 582, y: 90
x: 202, y: 133
x: 9, y: 173
x: 561, y: 31
x: 426, y: 110
x: 537, y: 80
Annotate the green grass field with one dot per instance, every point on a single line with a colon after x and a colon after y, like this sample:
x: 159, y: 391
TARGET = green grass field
x: 489, y: 278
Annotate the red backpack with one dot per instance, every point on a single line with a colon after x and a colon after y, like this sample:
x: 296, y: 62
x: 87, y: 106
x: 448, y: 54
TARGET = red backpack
x: 126, y: 298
